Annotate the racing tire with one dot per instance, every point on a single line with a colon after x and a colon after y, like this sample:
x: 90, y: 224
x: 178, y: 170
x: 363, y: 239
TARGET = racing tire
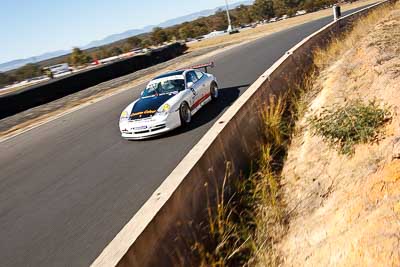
x: 185, y: 114
x: 214, y: 91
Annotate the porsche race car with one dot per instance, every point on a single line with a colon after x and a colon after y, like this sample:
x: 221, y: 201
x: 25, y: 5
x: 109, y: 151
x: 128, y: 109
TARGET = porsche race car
x: 168, y: 102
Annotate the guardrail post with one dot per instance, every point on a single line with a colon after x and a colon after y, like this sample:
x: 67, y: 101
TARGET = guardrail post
x: 336, y: 12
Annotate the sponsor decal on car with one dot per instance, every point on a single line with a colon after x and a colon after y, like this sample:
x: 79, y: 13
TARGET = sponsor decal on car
x: 198, y: 102
x: 146, y: 112
x: 140, y: 127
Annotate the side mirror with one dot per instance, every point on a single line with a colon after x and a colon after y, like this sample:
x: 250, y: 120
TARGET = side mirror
x: 141, y: 93
x: 189, y: 84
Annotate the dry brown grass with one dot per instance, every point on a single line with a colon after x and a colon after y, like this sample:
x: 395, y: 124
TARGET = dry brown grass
x: 345, y: 210
x: 270, y: 28
x: 248, y: 229
x: 325, y: 57
x: 244, y: 227
x: 252, y: 227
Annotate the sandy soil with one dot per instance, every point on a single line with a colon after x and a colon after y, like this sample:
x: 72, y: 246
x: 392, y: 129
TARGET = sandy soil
x: 346, y: 210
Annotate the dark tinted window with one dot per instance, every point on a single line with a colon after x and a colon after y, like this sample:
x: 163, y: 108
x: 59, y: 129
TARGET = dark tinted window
x: 173, y: 73
x: 199, y: 74
x: 164, y: 87
x: 191, y: 77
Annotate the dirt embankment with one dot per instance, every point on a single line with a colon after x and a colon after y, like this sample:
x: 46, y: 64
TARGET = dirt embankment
x: 346, y: 208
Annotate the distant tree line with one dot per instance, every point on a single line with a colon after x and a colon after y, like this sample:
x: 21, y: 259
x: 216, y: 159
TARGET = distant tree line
x: 26, y: 72
x: 241, y: 15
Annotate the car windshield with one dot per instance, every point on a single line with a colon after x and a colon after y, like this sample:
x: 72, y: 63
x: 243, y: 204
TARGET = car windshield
x: 160, y: 87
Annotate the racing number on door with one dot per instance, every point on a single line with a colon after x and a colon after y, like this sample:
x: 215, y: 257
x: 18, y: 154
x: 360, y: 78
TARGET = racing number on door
x: 191, y: 79
x: 202, y: 85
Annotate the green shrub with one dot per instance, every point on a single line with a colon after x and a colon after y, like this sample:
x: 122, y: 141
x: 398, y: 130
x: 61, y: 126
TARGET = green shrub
x: 354, y: 123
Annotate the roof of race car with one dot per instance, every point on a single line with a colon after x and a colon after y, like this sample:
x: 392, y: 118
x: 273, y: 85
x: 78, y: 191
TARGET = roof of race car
x: 172, y: 73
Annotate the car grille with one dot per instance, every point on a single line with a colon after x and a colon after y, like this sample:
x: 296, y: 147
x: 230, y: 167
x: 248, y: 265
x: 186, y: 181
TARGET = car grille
x: 154, y: 128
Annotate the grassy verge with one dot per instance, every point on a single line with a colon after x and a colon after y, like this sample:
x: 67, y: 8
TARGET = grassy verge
x: 325, y: 58
x: 244, y: 227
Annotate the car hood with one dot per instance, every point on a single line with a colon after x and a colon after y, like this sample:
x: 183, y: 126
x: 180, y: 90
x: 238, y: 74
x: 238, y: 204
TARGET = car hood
x: 148, y: 106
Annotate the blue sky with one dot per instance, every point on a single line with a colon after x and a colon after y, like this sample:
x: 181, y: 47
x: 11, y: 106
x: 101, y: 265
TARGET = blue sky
x: 32, y: 27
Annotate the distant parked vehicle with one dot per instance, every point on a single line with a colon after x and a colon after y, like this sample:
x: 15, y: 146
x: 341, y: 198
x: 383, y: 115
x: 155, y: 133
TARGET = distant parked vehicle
x: 301, y: 12
x: 233, y: 31
x: 57, y: 69
x: 190, y: 40
x: 137, y: 51
x: 109, y: 59
x: 39, y: 78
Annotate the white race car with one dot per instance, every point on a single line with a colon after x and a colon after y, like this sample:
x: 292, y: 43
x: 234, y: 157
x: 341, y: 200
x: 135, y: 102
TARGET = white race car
x: 169, y: 101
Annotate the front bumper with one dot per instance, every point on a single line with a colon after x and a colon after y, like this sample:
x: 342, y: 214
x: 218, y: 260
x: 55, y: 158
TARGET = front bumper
x: 149, y: 127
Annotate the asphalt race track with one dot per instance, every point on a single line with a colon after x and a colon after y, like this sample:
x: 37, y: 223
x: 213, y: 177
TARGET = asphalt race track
x: 68, y: 187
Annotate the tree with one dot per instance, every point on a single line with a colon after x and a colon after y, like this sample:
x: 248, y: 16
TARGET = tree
x: 186, y: 32
x: 172, y: 33
x: 281, y: 7
x: 28, y: 71
x: 146, y: 43
x: 134, y: 41
x: 6, y: 79
x: 263, y: 9
x: 101, y: 53
x: 126, y: 47
x: 78, y: 57
x: 309, y: 5
x: 243, y: 14
x: 159, y: 36
x: 220, y: 21
x: 115, y: 51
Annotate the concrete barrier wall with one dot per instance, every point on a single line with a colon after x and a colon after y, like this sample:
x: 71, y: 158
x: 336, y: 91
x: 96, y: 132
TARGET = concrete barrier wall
x: 33, y: 96
x: 156, y: 235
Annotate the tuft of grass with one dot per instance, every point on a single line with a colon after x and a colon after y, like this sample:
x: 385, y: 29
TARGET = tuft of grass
x: 228, y: 227
x: 270, y: 213
x: 275, y: 131
x: 354, y: 123
x: 244, y: 227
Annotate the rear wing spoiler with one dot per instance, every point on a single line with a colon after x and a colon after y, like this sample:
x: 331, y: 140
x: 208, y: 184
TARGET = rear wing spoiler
x: 205, y: 66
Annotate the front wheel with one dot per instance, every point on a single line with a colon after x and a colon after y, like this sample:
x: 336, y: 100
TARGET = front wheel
x: 185, y: 114
x: 214, y: 91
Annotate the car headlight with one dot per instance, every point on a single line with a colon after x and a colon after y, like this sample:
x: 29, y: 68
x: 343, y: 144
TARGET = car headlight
x: 124, y: 115
x: 164, y: 109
